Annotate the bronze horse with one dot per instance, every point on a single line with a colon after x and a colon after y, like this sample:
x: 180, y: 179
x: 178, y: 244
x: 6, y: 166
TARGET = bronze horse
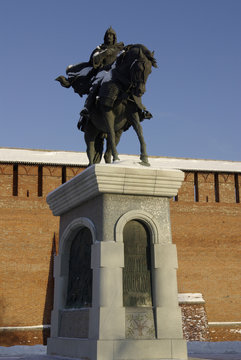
x: 131, y: 70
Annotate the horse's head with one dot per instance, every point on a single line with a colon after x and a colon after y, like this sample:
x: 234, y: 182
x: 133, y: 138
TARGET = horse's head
x: 140, y: 69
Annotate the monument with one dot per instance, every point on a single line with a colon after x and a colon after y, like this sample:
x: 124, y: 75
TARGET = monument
x: 115, y: 294
x: 114, y: 81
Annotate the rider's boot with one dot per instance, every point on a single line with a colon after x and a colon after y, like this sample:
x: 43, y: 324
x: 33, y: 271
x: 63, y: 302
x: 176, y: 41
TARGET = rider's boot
x: 83, y: 120
x: 84, y: 114
x: 89, y: 102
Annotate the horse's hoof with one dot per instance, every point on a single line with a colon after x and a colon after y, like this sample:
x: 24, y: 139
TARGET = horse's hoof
x: 116, y: 158
x: 144, y: 160
x: 144, y: 163
x: 107, y: 159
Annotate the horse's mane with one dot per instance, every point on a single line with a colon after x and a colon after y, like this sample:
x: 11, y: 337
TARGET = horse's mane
x: 149, y: 55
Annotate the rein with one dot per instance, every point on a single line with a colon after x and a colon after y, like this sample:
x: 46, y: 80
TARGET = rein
x: 142, y: 72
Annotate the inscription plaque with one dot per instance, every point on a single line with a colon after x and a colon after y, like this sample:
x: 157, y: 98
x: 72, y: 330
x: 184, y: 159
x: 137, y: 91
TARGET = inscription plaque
x: 80, y: 273
x: 137, y: 289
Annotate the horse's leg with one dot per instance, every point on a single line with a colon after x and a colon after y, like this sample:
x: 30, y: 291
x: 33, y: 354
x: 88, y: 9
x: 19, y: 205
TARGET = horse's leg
x: 108, y: 151
x: 99, y: 144
x: 90, y: 136
x: 110, y: 120
x: 118, y: 136
x: 135, y: 121
x: 107, y: 155
x: 90, y: 148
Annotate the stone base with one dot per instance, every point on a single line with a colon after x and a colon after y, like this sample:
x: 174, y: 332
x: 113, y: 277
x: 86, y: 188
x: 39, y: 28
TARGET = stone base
x: 104, y: 199
x: 118, y: 349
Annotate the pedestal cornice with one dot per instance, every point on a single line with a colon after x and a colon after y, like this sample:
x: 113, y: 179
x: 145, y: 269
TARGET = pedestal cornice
x: 118, y: 178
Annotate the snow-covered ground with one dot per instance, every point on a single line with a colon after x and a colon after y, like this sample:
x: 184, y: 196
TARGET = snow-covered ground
x: 19, y: 350
x: 229, y: 350
x: 214, y: 347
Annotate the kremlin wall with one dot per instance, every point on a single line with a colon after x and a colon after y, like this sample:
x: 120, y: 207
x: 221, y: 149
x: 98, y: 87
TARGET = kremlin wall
x: 206, y: 229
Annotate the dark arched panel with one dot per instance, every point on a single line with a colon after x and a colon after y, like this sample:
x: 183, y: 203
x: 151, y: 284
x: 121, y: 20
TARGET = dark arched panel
x: 137, y: 284
x: 79, y: 292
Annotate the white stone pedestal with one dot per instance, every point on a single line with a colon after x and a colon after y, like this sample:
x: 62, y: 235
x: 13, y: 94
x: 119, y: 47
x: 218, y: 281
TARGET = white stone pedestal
x: 104, y: 198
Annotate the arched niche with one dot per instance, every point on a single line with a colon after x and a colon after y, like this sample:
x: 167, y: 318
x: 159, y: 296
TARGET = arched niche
x: 79, y: 290
x: 137, y: 272
x: 143, y: 216
x: 75, y: 263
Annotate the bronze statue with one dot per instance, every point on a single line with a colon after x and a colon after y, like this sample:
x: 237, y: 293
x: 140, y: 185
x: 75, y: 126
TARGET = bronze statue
x: 103, y: 56
x: 114, y: 79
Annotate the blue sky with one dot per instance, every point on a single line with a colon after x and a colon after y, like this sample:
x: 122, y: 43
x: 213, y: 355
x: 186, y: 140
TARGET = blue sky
x: 194, y: 95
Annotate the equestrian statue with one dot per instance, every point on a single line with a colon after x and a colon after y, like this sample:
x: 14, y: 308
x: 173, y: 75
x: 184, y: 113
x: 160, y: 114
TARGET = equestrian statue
x: 114, y: 79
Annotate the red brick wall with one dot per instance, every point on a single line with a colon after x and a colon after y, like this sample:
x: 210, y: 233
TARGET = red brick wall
x: 71, y: 172
x: 52, y: 178
x: 27, y: 184
x: 6, y: 179
x: 226, y: 188
x: 225, y: 333
x: 207, y: 234
x: 206, y: 187
x: 186, y: 192
x: 208, y: 238
x: 28, y: 240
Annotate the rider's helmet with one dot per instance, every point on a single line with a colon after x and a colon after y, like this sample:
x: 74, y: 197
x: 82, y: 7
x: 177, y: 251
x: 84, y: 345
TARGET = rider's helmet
x: 110, y: 31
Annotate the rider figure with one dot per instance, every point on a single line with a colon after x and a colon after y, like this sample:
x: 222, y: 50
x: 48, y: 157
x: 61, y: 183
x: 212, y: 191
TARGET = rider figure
x: 101, y: 59
x: 105, y: 54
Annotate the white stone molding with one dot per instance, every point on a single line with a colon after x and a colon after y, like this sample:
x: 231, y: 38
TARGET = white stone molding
x: 71, y: 230
x: 148, y: 219
x: 111, y: 179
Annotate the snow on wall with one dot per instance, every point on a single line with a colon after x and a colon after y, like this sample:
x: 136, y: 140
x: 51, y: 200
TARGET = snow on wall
x: 196, y: 298
x: 80, y: 159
